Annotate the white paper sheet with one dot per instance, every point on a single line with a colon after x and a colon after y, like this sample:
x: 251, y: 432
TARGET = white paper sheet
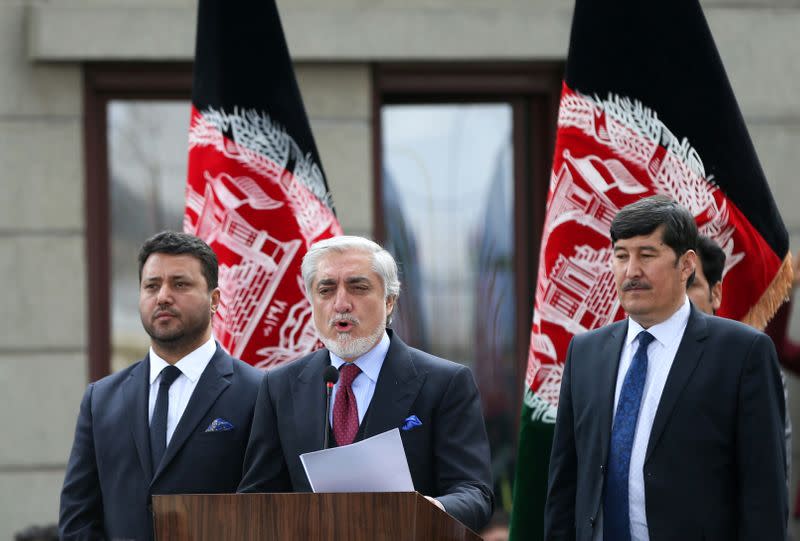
x: 376, y: 464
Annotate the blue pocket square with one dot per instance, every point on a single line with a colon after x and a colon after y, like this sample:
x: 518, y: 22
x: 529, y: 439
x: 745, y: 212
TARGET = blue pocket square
x: 219, y: 425
x: 410, y: 422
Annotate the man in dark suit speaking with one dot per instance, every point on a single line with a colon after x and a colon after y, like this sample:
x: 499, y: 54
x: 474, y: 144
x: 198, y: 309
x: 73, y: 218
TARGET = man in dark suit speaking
x: 670, y: 423
x: 353, y: 286
x: 177, y: 421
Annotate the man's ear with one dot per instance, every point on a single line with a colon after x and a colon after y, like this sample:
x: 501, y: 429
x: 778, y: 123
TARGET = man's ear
x: 390, y: 302
x: 716, y: 296
x: 215, y: 293
x: 687, y: 262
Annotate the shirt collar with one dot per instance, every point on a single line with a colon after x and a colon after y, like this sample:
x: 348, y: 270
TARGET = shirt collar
x: 666, y: 331
x: 371, y: 362
x: 191, y: 366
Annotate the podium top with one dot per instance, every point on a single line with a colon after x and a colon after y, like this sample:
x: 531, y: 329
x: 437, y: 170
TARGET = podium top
x: 384, y: 516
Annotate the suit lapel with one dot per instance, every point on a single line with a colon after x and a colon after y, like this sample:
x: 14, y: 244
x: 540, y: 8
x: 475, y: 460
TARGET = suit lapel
x: 686, y: 359
x: 607, y: 374
x: 308, y: 397
x: 136, y: 393
x: 397, y: 386
x: 214, y: 379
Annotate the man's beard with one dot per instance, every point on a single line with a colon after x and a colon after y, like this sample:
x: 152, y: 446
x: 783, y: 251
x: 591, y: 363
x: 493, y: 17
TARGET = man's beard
x: 346, y: 347
x: 176, y: 339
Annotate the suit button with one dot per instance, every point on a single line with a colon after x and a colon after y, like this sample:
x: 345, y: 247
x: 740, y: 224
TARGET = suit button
x: 603, y: 469
x: 591, y: 522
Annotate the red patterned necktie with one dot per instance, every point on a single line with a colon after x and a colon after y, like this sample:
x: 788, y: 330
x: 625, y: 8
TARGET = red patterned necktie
x: 345, y: 409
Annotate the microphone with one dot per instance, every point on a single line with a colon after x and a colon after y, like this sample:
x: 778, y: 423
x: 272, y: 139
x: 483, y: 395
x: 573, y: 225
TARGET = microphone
x: 330, y: 376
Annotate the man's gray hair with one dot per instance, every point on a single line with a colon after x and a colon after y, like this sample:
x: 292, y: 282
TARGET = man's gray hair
x: 382, y: 261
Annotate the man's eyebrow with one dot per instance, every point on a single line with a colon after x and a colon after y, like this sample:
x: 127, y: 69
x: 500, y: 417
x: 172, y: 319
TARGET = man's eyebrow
x: 326, y: 282
x: 638, y: 248
x: 170, y: 276
x: 357, y: 280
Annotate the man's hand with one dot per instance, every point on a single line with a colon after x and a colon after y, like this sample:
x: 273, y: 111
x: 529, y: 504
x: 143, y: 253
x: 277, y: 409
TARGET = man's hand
x: 436, y: 502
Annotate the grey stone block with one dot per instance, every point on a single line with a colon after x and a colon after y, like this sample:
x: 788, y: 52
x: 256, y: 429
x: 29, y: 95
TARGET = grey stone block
x: 133, y: 31
x: 43, y: 181
x: 29, y: 498
x: 335, y: 91
x: 777, y: 147
x: 44, y: 391
x: 27, y: 88
x: 45, y: 304
x: 346, y: 154
x: 759, y: 48
x: 352, y: 31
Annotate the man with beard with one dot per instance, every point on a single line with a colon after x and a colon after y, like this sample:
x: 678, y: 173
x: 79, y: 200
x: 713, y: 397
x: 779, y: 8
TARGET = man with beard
x: 176, y: 422
x: 353, y: 288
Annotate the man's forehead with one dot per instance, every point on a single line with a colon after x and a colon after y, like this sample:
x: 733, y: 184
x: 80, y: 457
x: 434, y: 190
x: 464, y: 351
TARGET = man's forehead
x: 346, y: 266
x: 172, y: 264
x: 651, y: 240
x: 349, y: 261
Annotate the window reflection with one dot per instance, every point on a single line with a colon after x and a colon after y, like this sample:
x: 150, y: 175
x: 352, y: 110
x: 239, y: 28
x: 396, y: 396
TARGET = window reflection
x: 447, y: 193
x: 147, y: 158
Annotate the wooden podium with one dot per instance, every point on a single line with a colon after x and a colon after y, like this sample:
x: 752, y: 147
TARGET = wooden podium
x: 364, y: 516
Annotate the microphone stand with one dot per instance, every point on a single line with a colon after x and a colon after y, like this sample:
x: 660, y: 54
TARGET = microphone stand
x: 328, y: 390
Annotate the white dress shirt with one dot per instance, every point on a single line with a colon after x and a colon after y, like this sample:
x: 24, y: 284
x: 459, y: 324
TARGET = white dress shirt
x: 181, y: 390
x: 660, y: 355
x: 364, y: 384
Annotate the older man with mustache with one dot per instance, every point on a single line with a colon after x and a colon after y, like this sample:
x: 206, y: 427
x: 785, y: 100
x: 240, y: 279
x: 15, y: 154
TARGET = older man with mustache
x: 353, y: 286
x: 670, y: 422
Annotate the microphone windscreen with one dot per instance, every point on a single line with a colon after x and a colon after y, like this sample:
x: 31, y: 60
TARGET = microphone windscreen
x: 331, y: 375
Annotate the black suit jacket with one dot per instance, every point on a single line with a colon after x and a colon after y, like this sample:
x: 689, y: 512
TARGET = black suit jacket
x: 110, y: 478
x: 448, y: 455
x: 714, y: 465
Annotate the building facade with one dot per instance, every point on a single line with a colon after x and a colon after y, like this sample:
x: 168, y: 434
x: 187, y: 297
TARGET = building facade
x: 62, y: 61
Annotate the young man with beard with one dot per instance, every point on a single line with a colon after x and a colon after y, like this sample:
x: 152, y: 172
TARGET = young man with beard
x: 176, y: 422
x: 353, y: 288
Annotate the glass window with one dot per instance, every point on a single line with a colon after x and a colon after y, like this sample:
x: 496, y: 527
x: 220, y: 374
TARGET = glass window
x: 147, y: 159
x: 448, y: 211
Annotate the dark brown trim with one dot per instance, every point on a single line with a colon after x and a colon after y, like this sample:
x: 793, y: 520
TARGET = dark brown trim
x: 378, y: 227
x: 523, y: 199
x: 402, y: 81
x: 97, y: 228
x: 103, y: 82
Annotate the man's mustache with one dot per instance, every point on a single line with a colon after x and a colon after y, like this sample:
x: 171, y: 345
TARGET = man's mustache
x: 635, y: 284
x: 161, y: 311
x: 343, y: 317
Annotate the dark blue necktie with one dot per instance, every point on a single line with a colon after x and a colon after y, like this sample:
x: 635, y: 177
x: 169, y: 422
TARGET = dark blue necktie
x: 158, y: 424
x: 616, y: 513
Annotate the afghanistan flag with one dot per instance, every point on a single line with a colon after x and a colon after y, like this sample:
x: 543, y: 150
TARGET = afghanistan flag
x: 646, y: 108
x: 256, y: 190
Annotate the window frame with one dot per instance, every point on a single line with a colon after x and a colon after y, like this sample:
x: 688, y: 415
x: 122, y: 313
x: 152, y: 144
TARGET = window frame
x: 103, y: 82
x: 533, y: 89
